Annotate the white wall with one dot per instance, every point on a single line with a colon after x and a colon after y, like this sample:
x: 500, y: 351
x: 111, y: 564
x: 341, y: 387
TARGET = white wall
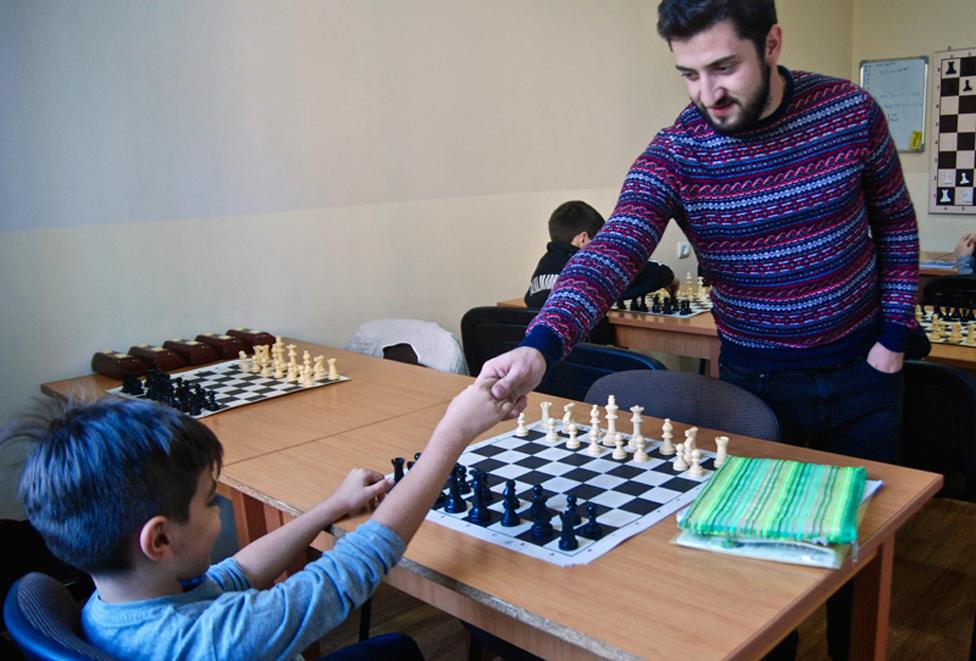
x: 178, y: 167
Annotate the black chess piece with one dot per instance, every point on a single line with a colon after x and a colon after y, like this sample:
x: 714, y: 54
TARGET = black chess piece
x: 634, y: 307
x: 455, y: 501
x: 621, y: 304
x: 510, y: 517
x: 567, y: 540
x: 509, y: 496
x: 666, y: 308
x: 541, y: 526
x: 462, y: 472
x: 486, y: 493
x: 656, y: 304
x: 951, y: 68
x: 131, y: 385
x: 967, y: 87
x: 571, y: 507
x: 212, y: 401
x: 538, y: 505
x: 479, y: 512
x: 685, y: 306
x: 591, y: 529
x: 397, y: 470
x: 643, y: 303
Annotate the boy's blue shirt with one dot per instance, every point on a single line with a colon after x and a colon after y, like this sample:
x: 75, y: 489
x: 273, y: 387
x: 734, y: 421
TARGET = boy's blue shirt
x: 225, y: 618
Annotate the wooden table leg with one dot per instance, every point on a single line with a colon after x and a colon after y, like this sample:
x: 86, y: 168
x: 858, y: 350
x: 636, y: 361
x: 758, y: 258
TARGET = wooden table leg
x: 872, y: 605
x: 249, y: 518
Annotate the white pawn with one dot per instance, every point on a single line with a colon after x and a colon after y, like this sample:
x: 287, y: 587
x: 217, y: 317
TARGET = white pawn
x: 679, y: 460
x: 551, y: 435
x: 667, y: 433
x: 568, y: 416
x: 333, y: 370
x: 256, y: 361
x: 292, y: 375
x: 573, y: 443
x: 520, y: 429
x: 971, y: 336
x: 242, y: 362
x: 266, y: 370
x: 636, y: 420
x: 722, y: 444
x: 696, y: 468
x: 594, y: 448
x: 640, y: 455
x: 618, y: 451
x: 545, y: 406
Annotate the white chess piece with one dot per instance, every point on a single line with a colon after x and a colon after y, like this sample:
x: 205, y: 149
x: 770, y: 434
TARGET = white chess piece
x: 594, y: 448
x: 568, y: 415
x: 610, y: 438
x: 618, y: 451
x: 722, y: 446
x: 551, y: 435
x: 679, y: 460
x: 691, y: 434
x: 545, y: 406
x: 520, y: 429
x: 242, y: 363
x: 636, y: 420
x: 595, y: 423
x: 696, y: 468
x: 333, y: 370
x: 573, y: 443
x: 667, y: 433
x: 971, y: 336
x: 292, y: 354
x: 266, y: 370
x: 319, y: 372
x: 640, y: 454
x: 292, y: 375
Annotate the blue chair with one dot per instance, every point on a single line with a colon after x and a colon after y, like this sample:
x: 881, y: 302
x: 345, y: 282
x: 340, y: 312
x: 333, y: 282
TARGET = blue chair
x: 689, y: 398
x: 43, y: 619
x: 487, y: 332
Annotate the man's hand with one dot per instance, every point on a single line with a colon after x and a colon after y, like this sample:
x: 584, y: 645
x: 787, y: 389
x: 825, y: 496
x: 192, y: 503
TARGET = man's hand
x: 885, y: 360
x: 517, y: 372
x: 965, y: 246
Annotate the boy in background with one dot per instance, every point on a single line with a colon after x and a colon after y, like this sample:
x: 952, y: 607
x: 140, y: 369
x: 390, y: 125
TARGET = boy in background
x: 125, y: 491
x: 571, y: 227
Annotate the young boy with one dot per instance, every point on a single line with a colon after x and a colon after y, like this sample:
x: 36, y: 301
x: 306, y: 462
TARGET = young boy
x: 571, y: 226
x: 125, y: 491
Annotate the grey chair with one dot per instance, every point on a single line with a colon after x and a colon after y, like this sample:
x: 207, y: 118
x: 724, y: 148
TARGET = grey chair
x: 689, y: 398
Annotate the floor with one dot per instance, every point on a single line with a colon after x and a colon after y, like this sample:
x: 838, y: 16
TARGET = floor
x: 933, y: 598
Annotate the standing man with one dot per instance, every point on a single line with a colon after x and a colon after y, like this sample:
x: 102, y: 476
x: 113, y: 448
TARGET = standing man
x: 789, y: 188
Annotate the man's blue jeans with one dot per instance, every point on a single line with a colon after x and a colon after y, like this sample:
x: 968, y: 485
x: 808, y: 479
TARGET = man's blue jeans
x: 851, y: 409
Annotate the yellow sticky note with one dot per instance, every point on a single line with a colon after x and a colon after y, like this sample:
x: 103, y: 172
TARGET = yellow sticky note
x: 915, y: 144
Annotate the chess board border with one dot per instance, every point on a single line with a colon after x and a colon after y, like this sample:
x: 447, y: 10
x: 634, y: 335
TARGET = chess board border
x: 228, y: 368
x: 588, y: 550
x: 939, y: 60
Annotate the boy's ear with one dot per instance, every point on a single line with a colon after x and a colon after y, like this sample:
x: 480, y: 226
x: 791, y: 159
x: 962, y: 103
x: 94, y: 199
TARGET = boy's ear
x: 581, y: 239
x: 155, y: 539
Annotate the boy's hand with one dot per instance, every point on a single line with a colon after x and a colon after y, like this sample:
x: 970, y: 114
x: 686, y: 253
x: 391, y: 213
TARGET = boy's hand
x: 475, y: 410
x: 513, y: 375
x: 965, y: 246
x: 360, y: 488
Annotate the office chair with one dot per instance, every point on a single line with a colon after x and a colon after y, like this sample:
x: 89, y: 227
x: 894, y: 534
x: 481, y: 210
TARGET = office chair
x: 953, y: 290
x: 689, y: 398
x: 487, y: 332
x: 939, y: 425
x: 43, y: 619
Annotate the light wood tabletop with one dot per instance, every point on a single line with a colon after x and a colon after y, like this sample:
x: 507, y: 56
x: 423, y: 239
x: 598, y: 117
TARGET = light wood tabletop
x: 647, y: 598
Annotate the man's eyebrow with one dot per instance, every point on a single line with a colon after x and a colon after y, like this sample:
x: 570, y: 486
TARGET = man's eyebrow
x: 722, y: 60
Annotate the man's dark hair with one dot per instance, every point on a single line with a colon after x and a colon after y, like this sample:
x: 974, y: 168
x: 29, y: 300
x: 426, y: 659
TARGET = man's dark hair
x: 100, y: 471
x: 571, y: 218
x: 683, y: 19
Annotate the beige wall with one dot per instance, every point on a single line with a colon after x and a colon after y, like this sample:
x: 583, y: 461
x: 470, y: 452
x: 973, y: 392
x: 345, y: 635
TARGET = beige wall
x: 178, y: 167
x: 903, y: 28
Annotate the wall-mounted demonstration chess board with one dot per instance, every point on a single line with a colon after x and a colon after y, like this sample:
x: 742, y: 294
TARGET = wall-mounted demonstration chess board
x: 954, y: 122
x: 615, y: 498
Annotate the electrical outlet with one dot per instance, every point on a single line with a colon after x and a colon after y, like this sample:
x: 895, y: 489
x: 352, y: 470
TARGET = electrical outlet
x: 684, y: 250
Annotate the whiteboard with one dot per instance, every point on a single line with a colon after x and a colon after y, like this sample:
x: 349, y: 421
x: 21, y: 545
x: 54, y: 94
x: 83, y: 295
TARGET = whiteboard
x: 899, y: 87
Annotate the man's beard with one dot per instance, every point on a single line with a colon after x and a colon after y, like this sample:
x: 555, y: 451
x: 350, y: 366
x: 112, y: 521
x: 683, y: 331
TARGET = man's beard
x: 752, y: 109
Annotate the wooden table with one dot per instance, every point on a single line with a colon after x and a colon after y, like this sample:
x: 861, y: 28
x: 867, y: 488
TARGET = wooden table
x: 646, y: 598
x: 695, y: 337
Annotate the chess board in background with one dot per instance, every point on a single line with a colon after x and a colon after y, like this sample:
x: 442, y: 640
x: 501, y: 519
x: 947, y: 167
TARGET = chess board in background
x: 233, y: 388
x: 953, y: 162
x: 630, y: 497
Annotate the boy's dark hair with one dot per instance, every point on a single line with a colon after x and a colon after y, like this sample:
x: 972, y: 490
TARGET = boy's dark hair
x: 683, y: 19
x: 100, y: 471
x: 571, y: 218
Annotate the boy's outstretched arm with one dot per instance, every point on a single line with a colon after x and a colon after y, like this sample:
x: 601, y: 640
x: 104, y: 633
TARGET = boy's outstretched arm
x: 472, y: 412
x: 264, y: 559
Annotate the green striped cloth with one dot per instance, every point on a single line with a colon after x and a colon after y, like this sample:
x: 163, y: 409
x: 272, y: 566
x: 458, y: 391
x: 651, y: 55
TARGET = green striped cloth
x: 779, y: 499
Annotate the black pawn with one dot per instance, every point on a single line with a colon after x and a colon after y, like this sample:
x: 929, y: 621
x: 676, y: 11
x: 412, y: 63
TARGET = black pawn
x: 212, y: 401
x: 510, y: 517
x: 656, y: 304
x: 968, y: 87
x: 666, y: 308
x: 541, y: 526
x: 486, y: 493
x: 510, y: 499
x: 567, y: 540
x: 591, y: 529
x: 571, y: 508
x: 538, y: 507
x: 455, y: 501
x: 479, y: 510
x: 643, y: 303
x: 397, y: 470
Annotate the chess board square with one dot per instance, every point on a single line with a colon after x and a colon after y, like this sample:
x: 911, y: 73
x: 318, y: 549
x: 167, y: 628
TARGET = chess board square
x: 555, y: 453
x: 580, y: 474
x: 527, y: 536
x: 556, y: 468
x: 653, y: 478
x: 681, y: 484
x: 667, y: 468
x: 947, y: 142
x: 967, y: 105
x: 948, y: 123
x: 964, y: 177
x: 253, y: 398
x: 967, y: 122
x: 949, y: 87
x: 558, y: 485
x: 577, y: 459
x: 948, y: 105
x: 611, y: 499
x: 947, y: 177
x: 582, y: 543
x: 626, y: 472
x: 966, y: 159
x: 660, y: 494
x: 514, y: 531
x: 488, y: 450
x: 640, y: 507
x: 531, y: 462
x: 602, y: 464
x: 967, y: 66
x: 605, y: 481
x: 510, y: 472
x: 585, y: 492
x: 617, y: 518
x: 632, y: 488
x: 487, y: 465
x: 510, y: 442
x: 507, y: 456
x: 966, y: 141
x: 947, y: 159
x: 964, y: 196
x: 530, y: 447
x: 534, y: 477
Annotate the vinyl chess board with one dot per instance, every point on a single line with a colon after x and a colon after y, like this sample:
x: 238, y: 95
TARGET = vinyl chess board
x: 954, y: 155
x: 234, y: 388
x: 963, y: 319
x: 655, y: 308
x: 629, y: 497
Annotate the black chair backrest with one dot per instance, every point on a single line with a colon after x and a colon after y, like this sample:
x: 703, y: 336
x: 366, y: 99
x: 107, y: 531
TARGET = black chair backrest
x: 939, y: 425
x: 42, y: 617
x: 689, y: 398
x: 487, y: 332
x: 952, y: 290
